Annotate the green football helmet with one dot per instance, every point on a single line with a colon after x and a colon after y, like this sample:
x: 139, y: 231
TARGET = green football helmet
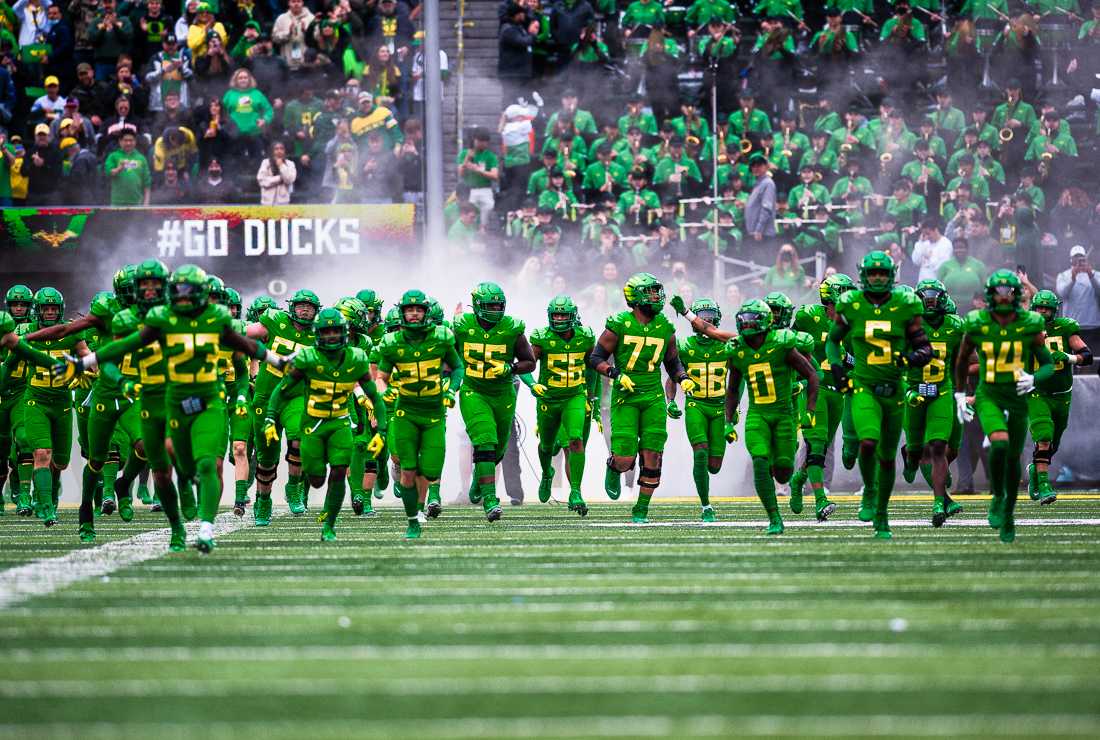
x: 1047, y: 303
x: 489, y: 302
x: 645, y: 291
x: 190, y: 283
x: 393, y: 320
x: 835, y: 286
x: 125, y: 323
x: 933, y: 295
x: 123, y: 285
x: 216, y: 289
x: 877, y: 261
x: 413, y: 299
x: 950, y: 306
x: 233, y: 301
x: 354, y: 312
x: 708, y: 310
x: 565, y: 310
x: 435, y: 312
x: 303, y: 298
x: 19, y: 301
x: 260, y: 305
x: 782, y: 309
x: 754, y: 317
x: 153, y: 275
x: 373, y: 306
x: 49, y: 297
x: 331, y: 329
x: 1004, y: 283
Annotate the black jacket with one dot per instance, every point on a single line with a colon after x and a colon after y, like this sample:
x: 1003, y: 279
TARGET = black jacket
x: 515, y: 57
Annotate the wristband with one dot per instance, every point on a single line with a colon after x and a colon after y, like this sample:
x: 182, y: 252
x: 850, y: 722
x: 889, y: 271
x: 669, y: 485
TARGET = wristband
x: 89, y: 361
x: 613, y: 372
x: 690, y: 315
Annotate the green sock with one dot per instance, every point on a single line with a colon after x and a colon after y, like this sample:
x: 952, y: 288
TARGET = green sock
x: 1042, y: 477
x: 575, y: 463
x: 765, y: 484
x: 546, y: 463
x: 26, y: 476
x: 43, y: 487
x: 701, y: 475
x: 816, y: 475
x: 110, y: 473
x: 88, y: 481
x: 55, y: 486
x: 886, y: 478
x: 408, y: 498
x: 998, y: 468
x: 240, y: 490
x: 474, y: 488
x: 292, y: 484
x: 433, y: 492
x: 1012, y: 484
x: 487, y: 470
x: 355, y: 476
x: 868, y: 469
x: 334, y: 500
x: 186, y: 489
x: 169, y: 500
x: 641, y: 507
x: 210, y: 489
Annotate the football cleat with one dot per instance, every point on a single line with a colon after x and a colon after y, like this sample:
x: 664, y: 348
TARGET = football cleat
x: 109, y: 506
x: 866, y: 506
x: 612, y: 484
x: 709, y: 515
x: 775, y: 524
x: 261, y: 512
x: 996, y: 514
x: 951, y: 507
x: 433, y: 509
x: 205, y: 542
x: 294, y: 501
x: 1032, y: 482
x: 238, y: 508
x: 328, y: 534
x: 545, y: 484
x: 882, y: 527
x: 1008, y: 531
x: 412, y: 532
x: 357, y: 504
x: 178, y: 540
x: 126, y: 509
x: 825, y: 509
x: 494, y: 514
x: 23, y: 505
x: 939, y: 513
x: 577, y: 504
x: 87, y: 532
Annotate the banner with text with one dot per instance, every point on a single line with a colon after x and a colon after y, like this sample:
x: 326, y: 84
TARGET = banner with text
x: 79, y: 249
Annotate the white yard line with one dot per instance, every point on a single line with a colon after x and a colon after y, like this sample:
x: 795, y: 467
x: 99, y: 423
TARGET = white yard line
x: 47, y: 575
x: 856, y: 523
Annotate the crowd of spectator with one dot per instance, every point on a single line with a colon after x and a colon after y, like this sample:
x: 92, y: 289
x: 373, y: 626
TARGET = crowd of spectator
x: 959, y: 136
x: 138, y: 102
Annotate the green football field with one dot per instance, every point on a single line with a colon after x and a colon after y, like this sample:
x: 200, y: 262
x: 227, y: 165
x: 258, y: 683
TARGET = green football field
x: 548, y: 625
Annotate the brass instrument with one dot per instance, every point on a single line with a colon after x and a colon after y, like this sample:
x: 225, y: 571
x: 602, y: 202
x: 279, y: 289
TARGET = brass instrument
x: 1046, y: 156
x: 787, y: 143
x: 637, y: 213
x: 1005, y: 135
x: 746, y: 146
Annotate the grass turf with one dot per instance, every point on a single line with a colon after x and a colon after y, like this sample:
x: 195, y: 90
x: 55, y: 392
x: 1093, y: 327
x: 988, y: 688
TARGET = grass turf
x: 547, y: 625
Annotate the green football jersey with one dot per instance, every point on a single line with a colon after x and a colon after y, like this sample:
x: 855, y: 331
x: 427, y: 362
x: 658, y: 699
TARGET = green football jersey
x: 192, y: 346
x: 765, y: 371
x: 7, y: 323
x: 936, y: 378
x: 104, y: 307
x: 283, y: 338
x: 878, y: 333
x: 415, y: 366
x: 562, y: 361
x: 148, y: 366
x: 41, y: 386
x: 1057, y: 340
x: 814, y: 320
x: 640, y: 350
x: 329, y: 383
x: 706, y: 362
x: 487, y: 353
x: 225, y: 360
x: 1003, y: 351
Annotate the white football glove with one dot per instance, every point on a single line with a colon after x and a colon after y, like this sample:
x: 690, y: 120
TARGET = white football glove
x: 1025, y: 383
x: 963, y: 412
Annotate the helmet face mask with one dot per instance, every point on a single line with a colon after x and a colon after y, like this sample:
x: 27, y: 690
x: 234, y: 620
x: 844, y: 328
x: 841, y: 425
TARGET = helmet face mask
x: 233, y: 302
x: 188, y: 289
x: 754, y: 318
x: 562, y: 314
x: 150, y: 283
x: 304, y: 306
x: 19, y: 301
x: 49, y: 306
x: 124, y: 285
x: 413, y: 311
x: 354, y: 312
x: 933, y: 296
x: 373, y: 306
x: 393, y: 320
x: 877, y: 273
x: 259, y: 306
x: 782, y: 309
x: 489, y: 302
x: 834, y: 286
x: 1003, y: 292
x: 1047, y: 304
x: 707, y: 310
x: 331, y: 330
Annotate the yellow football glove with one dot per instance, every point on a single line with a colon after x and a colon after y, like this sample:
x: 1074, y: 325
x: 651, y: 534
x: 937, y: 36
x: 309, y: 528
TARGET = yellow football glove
x: 539, y: 389
x: 688, y: 386
x: 131, y: 390
x: 271, y: 432
x: 625, y: 383
x: 390, y: 395
x: 377, y: 442
x: 449, y: 399
x: 81, y: 381
x: 731, y: 431
x: 808, y: 420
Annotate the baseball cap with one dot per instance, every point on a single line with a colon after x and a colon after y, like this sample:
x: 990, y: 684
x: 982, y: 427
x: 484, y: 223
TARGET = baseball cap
x: 365, y: 96
x: 71, y: 102
x: 1078, y: 251
x: 67, y: 142
x: 51, y: 80
x: 65, y: 122
x: 41, y: 129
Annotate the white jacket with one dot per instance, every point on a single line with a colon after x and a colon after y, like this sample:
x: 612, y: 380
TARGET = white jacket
x: 275, y: 190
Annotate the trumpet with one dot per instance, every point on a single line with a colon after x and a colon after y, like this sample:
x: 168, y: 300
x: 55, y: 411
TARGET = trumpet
x: 746, y: 145
x: 1005, y: 135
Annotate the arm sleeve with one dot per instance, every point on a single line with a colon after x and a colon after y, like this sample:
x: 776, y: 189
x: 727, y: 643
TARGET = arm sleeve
x: 275, y: 403
x: 117, y: 350
x: 458, y: 370
x: 673, y: 366
x: 1046, y: 362
x: 834, y: 353
x: 371, y: 390
x: 110, y: 372
x: 30, y: 354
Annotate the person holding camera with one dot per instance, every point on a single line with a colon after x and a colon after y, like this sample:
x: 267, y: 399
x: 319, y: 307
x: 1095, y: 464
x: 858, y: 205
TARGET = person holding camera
x: 1079, y: 289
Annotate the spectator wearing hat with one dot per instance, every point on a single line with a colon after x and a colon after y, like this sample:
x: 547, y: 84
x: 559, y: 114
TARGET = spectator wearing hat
x: 111, y: 35
x: 203, y: 28
x: 1079, y: 289
x: 269, y: 69
x: 289, y: 33
x: 379, y: 177
x: 479, y: 168
x: 276, y: 176
x: 52, y: 103
x: 370, y: 117
x: 176, y: 145
x: 515, y: 53
x: 238, y: 13
x: 95, y: 96
x: 169, y: 71
x: 250, y: 36
x: 80, y: 169
x: 31, y: 17
x: 128, y: 172
x: 213, y: 69
x: 250, y: 110
x: 760, y: 209
x: 71, y: 123
x: 42, y: 166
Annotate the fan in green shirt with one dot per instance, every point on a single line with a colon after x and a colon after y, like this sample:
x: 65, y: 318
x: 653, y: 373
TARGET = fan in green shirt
x: 129, y: 173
